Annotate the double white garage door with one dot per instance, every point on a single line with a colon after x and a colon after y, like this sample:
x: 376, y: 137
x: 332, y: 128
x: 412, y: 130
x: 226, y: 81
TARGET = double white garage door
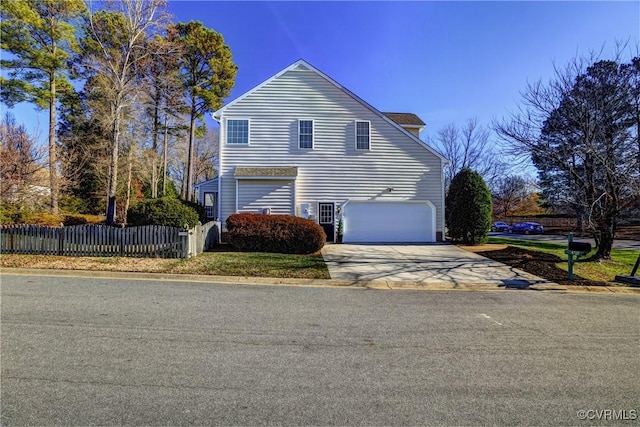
x: 389, y: 222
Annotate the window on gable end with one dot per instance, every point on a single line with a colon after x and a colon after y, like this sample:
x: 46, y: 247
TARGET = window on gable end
x: 237, y: 131
x: 363, y: 135
x: 305, y: 133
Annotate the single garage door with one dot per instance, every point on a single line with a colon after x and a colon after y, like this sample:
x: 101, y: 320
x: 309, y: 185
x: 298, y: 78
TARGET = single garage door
x: 389, y: 222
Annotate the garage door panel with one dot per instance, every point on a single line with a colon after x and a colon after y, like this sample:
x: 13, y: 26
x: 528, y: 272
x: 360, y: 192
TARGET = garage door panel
x: 388, y: 222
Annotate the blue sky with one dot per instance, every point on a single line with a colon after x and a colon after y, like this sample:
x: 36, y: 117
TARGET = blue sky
x: 445, y: 61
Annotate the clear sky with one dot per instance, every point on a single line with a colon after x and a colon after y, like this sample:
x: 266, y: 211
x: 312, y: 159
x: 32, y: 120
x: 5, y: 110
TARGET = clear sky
x: 445, y: 61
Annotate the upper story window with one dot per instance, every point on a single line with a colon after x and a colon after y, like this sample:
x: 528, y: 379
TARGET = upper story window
x: 363, y: 135
x: 305, y: 134
x: 237, y: 131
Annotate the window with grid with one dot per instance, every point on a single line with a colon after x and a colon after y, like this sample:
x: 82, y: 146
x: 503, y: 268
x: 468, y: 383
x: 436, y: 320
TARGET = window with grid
x: 362, y: 135
x: 305, y: 133
x: 237, y: 131
x: 210, y: 203
x: 326, y: 214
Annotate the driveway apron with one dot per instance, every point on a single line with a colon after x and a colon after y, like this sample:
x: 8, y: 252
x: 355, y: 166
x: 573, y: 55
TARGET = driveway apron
x: 434, y: 263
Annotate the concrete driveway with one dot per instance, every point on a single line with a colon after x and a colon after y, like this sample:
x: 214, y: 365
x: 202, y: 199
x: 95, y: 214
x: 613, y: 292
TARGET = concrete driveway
x: 435, y: 263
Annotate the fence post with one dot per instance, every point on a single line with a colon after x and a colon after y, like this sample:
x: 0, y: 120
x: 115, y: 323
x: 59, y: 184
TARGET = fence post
x: 186, y: 241
x: 120, y: 234
x: 61, y: 240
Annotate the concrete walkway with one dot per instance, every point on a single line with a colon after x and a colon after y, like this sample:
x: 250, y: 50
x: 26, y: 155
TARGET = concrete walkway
x: 420, y: 264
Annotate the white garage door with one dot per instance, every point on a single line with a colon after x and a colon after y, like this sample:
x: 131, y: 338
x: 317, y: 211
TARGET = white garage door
x: 389, y: 222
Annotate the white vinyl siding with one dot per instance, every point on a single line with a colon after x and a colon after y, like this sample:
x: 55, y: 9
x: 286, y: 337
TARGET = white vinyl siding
x: 334, y: 170
x: 237, y: 132
x: 363, y: 135
x: 305, y: 134
x: 255, y: 195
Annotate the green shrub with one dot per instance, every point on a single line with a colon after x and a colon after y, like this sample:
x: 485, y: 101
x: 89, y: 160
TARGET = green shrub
x: 163, y: 211
x: 72, y: 204
x: 202, y: 213
x: 8, y: 213
x: 468, y: 208
x: 45, y: 218
x: 274, y: 233
x: 80, y: 219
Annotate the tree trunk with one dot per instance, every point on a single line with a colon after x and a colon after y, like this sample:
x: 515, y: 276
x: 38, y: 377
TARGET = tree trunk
x: 154, y: 158
x: 192, y: 131
x: 130, y: 167
x: 164, y: 158
x: 53, y: 158
x: 605, y: 242
x: 113, y: 179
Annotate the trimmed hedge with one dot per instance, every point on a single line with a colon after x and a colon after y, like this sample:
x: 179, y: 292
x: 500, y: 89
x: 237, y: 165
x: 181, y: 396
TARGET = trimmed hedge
x: 163, y: 211
x: 274, y: 233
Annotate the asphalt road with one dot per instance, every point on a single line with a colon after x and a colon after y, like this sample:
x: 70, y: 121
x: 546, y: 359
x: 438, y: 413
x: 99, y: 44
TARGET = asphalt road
x: 552, y: 238
x: 111, y: 352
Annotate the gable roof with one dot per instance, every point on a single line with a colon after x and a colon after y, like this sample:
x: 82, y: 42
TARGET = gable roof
x: 209, y: 181
x: 301, y: 64
x: 407, y: 119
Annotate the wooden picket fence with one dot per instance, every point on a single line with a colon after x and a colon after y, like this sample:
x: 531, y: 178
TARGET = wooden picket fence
x: 100, y: 240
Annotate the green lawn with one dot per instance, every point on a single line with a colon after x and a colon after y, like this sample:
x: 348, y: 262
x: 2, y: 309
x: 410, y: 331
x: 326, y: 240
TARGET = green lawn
x: 254, y: 264
x: 621, y: 263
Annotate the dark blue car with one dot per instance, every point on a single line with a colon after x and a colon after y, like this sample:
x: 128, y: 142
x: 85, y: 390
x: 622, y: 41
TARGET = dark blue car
x: 527, y: 228
x: 500, y: 226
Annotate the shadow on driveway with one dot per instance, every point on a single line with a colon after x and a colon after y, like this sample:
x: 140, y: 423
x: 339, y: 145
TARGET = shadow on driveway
x: 434, y: 263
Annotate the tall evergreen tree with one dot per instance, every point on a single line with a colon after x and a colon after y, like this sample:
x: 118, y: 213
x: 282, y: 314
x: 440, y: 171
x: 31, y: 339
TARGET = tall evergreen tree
x: 41, y: 36
x: 165, y: 100
x: 468, y: 208
x: 208, y: 75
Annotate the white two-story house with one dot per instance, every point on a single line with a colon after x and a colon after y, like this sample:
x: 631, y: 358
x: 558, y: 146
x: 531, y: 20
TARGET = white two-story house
x: 302, y: 144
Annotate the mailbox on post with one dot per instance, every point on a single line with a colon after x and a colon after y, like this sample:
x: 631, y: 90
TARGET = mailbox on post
x: 580, y: 247
x: 576, y: 249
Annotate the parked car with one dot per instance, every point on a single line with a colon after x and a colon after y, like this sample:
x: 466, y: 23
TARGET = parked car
x: 500, y: 226
x: 527, y: 228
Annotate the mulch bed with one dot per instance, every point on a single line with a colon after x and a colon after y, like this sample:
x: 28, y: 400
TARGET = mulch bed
x: 539, y: 263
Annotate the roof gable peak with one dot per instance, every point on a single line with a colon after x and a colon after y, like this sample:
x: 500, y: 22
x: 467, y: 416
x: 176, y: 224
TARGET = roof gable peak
x: 303, y: 65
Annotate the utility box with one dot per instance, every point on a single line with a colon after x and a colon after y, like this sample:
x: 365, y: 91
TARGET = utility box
x: 304, y: 210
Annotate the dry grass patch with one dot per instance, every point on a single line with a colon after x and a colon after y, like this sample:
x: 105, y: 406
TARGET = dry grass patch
x: 149, y: 265
x: 483, y: 248
x: 209, y: 263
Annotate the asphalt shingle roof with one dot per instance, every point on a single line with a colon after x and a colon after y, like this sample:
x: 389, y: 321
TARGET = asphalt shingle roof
x: 405, y: 119
x: 265, y: 171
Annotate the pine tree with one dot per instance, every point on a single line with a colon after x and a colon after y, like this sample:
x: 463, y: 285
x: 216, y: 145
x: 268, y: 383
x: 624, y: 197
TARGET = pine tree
x: 208, y: 75
x: 41, y: 37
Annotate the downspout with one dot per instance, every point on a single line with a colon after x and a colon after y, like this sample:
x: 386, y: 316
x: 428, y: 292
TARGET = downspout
x: 220, y: 143
x: 442, y: 165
